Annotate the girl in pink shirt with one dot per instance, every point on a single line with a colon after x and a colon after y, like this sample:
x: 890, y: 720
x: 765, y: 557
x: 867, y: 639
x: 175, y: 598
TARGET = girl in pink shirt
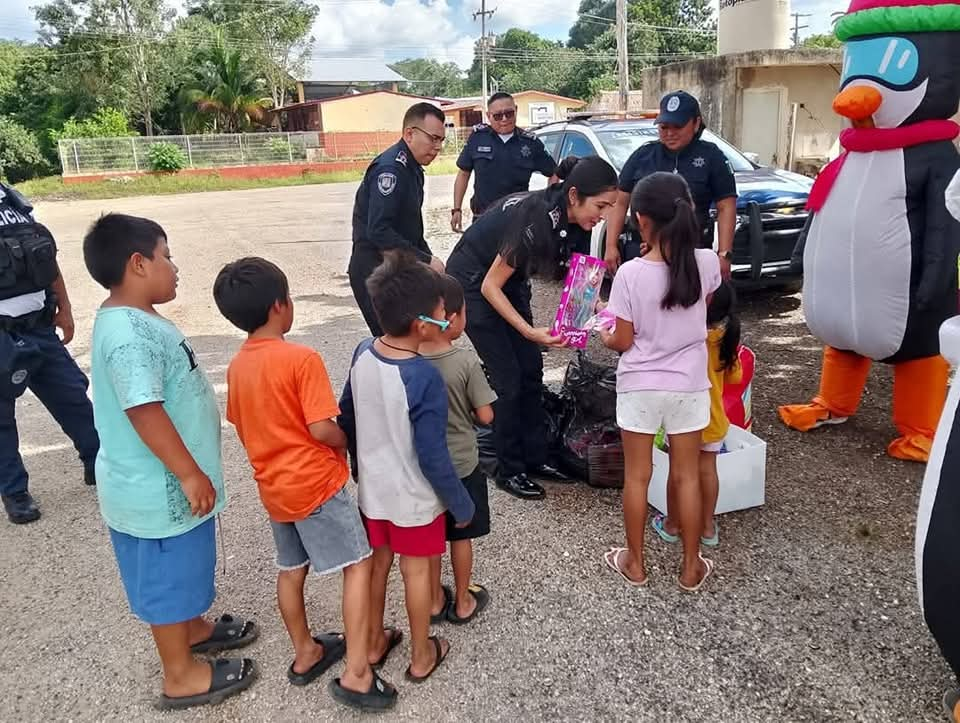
x: 660, y: 301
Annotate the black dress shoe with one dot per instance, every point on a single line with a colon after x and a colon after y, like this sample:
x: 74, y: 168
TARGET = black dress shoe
x: 521, y: 486
x: 545, y: 471
x: 21, y: 508
x: 90, y: 477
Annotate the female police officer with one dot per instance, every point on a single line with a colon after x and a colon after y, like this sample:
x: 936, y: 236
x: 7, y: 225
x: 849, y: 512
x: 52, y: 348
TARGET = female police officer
x: 703, y: 166
x: 521, y: 235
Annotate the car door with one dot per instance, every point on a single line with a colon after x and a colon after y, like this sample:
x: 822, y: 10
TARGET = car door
x: 551, y: 141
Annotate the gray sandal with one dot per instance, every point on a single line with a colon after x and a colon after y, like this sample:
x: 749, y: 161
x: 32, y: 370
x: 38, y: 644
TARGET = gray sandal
x: 334, y: 648
x: 230, y: 676
x: 381, y: 696
x: 229, y: 633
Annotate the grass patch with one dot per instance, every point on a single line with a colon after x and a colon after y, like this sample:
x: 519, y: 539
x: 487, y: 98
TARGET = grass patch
x: 52, y: 188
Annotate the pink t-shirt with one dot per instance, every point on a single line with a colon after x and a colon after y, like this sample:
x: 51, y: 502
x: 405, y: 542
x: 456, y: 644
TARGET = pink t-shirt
x: 669, y: 351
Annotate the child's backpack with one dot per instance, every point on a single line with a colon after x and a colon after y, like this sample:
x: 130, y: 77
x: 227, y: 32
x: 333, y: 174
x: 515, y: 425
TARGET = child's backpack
x: 737, y: 397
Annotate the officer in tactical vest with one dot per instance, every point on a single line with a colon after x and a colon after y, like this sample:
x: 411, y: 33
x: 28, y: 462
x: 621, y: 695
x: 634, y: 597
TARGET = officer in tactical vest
x: 502, y: 158
x: 33, y: 302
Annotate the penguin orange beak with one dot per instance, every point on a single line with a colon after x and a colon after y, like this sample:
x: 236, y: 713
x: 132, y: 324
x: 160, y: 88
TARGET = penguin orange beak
x: 857, y: 102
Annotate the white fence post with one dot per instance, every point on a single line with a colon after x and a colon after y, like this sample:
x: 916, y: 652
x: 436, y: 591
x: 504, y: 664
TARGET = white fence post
x: 76, y: 157
x: 133, y: 146
x: 240, y: 144
x: 189, y: 152
x: 289, y: 148
x: 63, y: 157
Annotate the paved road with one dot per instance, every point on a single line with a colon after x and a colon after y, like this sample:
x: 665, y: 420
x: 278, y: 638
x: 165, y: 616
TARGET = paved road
x: 812, y: 615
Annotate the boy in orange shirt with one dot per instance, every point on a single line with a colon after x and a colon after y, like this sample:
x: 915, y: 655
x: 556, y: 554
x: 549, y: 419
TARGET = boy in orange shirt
x: 280, y: 400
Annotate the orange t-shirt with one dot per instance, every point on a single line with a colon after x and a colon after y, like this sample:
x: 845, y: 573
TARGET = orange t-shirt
x: 274, y: 390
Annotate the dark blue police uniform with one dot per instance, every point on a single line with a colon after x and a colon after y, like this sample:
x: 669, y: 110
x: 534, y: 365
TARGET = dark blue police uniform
x: 31, y: 354
x: 501, y: 168
x: 514, y: 364
x: 387, y: 214
x: 702, y: 164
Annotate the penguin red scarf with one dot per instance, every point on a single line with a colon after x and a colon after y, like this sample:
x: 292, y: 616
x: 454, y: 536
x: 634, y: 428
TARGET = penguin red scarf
x: 867, y: 140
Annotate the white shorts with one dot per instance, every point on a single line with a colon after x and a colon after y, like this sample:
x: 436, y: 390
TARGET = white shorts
x: 677, y: 412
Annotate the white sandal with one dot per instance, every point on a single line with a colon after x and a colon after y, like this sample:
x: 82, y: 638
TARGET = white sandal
x: 711, y: 566
x: 612, y: 558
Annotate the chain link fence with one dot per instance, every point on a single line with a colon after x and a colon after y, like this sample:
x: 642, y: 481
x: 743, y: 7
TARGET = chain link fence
x: 95, y: 156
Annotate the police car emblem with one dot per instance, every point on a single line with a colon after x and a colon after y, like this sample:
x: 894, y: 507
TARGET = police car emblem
x: 673, y: 104
x: 402, y: 158
x: 386, y: 182
x: 525, y: 151
x: 699, y: 162
x: 555, y: 216
x: 19, y: 376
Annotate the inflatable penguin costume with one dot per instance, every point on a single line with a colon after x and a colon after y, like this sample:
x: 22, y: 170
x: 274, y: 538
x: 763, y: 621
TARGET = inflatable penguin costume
x: 880, y: 253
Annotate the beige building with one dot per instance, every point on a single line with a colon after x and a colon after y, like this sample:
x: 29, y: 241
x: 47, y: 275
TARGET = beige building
x: 534, y: 107
x: 775, y: 103
x: 378, y: 110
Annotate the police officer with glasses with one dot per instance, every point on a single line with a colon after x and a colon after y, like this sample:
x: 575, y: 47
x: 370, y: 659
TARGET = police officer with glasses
x: 33, y: 303
x: 502, y: 157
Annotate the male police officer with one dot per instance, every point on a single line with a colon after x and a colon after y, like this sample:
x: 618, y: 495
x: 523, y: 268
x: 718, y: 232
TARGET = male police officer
x: 387, y: 212
x: 33, y: 300
x: 701, y: 163
x: 503, y: 156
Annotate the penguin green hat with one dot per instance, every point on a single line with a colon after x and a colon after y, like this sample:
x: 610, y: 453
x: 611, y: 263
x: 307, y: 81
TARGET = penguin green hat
x: 895, y: 17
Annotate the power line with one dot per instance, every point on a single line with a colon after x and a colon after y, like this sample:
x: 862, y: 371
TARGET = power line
x: 797, y: 27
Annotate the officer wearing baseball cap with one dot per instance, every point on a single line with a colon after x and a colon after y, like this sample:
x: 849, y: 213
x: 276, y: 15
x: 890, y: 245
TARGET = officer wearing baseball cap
x: 701, y: 163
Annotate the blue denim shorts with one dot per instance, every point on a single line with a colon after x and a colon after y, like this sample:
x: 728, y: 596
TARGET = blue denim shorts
x: 168, y: 580
x: 330, y: 539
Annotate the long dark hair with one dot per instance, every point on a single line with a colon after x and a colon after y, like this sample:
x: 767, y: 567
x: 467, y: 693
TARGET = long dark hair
x: 528, y: 242
x: 665, y: 199
x: 723, y: 310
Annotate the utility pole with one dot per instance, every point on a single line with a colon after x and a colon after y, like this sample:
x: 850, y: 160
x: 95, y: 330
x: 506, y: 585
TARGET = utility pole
x: 623, y: 67
x: 797, y: 27
x: 483, y: 13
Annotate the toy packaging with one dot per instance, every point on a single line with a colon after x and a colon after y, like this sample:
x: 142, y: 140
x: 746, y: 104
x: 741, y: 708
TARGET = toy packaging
x: 581, y: 291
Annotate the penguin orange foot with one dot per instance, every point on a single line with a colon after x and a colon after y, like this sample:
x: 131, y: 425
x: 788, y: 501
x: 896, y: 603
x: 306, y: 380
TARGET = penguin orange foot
x: 912, y: 448
x: 804, y: 417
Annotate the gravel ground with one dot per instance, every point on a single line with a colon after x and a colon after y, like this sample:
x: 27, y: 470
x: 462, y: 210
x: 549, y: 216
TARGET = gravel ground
x: 812, y: 614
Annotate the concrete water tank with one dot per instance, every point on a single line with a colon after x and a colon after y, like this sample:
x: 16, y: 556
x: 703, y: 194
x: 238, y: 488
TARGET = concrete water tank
x: 753, y: 25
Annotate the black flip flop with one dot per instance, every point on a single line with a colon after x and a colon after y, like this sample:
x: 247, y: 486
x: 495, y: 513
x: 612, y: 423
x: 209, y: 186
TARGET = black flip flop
x: 447, y: 603
x: 229, y: 633
x: 441, y: 656
x: 395, y: 637
x: 381, y: 696
x: 230, y: 676
x: 334, y: 648
x: 482, y: 597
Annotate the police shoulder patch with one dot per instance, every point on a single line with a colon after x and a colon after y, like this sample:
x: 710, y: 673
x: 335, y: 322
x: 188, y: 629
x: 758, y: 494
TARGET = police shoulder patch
x: 527, y: 134
x: 386, y: 183
x: 402, y: 158
x: 554, y: 214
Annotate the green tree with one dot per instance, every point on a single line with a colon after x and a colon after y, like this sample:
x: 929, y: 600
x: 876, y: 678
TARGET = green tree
x: 432, y: 77
x: 231, y: 91
x: 521, y: 60
x: 20, y: 155
x: 594, y: 17
x: 826, y: 40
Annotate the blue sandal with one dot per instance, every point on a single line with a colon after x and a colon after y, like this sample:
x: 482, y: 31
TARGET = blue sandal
x: 658, y: 526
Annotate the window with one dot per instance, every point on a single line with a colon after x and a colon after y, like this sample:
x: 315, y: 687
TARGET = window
x: 576, y: 144
x: 551, y: 141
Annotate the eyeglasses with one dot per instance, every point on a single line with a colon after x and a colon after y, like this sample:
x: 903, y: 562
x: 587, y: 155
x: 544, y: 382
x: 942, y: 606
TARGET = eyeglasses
x: 444, y: 325
x: 437, y: 140
x: 503, y: 115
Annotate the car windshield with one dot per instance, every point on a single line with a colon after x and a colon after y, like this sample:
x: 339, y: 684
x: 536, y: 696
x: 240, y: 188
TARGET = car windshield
x: 620, y: 143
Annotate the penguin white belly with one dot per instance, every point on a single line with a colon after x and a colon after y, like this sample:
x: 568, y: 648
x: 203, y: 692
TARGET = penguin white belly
x: 856, y: 289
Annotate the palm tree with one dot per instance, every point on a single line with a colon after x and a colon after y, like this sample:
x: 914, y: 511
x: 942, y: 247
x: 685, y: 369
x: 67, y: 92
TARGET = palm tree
x: 230, y: 94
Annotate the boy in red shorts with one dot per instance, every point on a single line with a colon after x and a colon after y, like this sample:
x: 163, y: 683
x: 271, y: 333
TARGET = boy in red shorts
x: 394, y: 413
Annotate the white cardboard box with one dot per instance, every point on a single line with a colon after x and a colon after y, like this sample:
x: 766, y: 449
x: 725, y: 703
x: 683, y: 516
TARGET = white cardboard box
x: 742, y: 471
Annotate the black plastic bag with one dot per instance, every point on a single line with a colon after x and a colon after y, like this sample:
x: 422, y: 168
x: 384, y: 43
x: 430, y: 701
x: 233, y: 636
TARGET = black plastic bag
x: 487, y: 449
x: 593, y: 388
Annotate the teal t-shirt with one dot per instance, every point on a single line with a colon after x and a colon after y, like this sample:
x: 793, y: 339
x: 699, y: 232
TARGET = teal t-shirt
x: 139, y: 358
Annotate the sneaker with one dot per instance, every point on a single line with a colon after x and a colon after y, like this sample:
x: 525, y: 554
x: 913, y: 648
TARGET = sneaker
x: 21, y: 508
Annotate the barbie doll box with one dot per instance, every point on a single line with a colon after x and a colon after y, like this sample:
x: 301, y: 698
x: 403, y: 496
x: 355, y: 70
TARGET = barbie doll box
x: 581, y: 292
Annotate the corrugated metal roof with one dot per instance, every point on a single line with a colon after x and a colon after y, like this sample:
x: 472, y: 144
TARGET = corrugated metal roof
x: 350, y: 70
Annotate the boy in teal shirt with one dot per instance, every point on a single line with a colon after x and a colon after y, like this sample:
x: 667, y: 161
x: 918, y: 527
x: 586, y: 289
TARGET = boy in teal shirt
x: 159, y: 466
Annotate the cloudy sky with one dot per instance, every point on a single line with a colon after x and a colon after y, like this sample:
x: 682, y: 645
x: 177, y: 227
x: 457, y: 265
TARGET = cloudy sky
x: 441, y: 29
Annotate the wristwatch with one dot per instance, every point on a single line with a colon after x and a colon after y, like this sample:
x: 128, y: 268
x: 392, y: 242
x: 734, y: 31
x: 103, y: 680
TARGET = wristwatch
x: 728, y: 255
x: 455, y: 210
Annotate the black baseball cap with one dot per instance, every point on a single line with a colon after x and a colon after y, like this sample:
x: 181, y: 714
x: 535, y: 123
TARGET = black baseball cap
x: 678, y: 108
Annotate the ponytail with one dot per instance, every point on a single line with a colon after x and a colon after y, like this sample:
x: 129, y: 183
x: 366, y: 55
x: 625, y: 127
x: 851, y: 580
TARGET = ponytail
x: 528, y: 242
x: 589, y: 176
x: 665, y: 199
x: 723, y: 310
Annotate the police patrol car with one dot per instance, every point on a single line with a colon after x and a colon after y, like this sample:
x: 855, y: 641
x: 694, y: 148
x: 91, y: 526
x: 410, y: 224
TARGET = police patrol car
x: 770, y: 204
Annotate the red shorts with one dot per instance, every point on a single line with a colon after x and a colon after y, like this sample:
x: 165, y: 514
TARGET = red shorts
x: 423, y: 541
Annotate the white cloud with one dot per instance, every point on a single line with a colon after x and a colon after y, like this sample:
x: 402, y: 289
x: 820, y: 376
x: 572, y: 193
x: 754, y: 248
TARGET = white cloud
x: 533, y: 13
x: 408, y: 28
x: 17, y: 20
